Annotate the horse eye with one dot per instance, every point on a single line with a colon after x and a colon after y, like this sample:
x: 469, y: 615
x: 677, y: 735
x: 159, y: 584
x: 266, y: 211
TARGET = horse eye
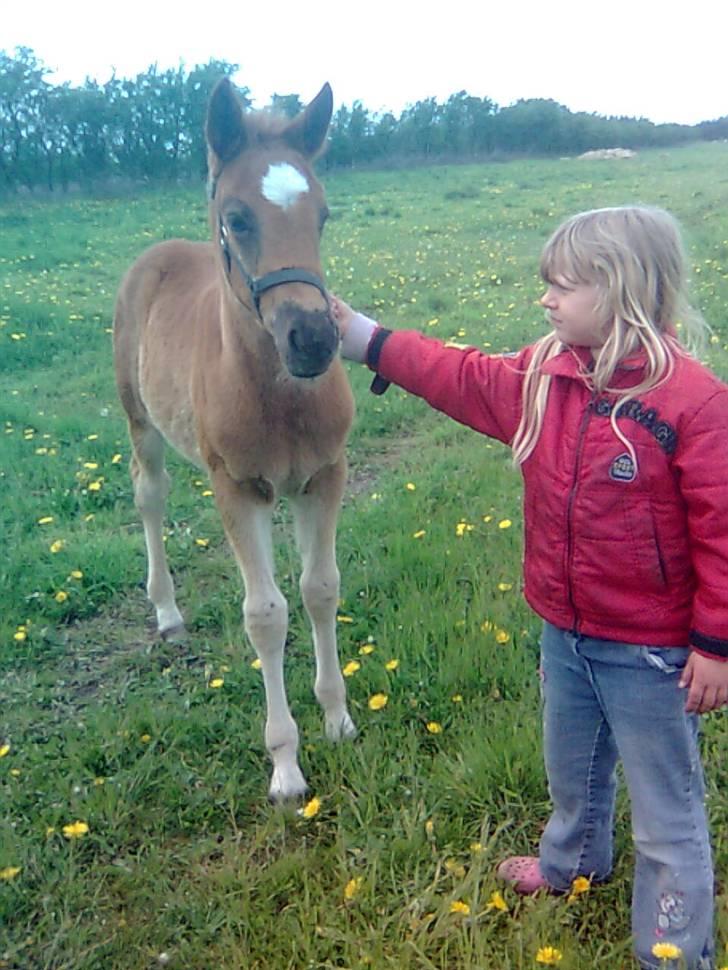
x: 239, y: 224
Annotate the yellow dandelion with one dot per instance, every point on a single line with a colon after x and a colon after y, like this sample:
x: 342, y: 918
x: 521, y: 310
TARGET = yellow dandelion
x: 580, y: 885
x: 256, y: 664
x: 76, y: 574
x: 392, y: 664
x: 116, y: 459
x: 352, y: 888
x: 549, y: 955
x: 429, y: 828
x: 476, y: 847
x: 419, y: 534
x: 91, y: 465
x: 57, y: 545
x: 455, y: 868
x: 217, y: 682
x: 20, y: 634
x: 434, y: 727
x: 504, y: 587
x: 75, y: 830
x: 145, y: 738
x: 351, y: 668
x: 502, y: 636
x: 505, y: 524
x: 458, y: 907
x: 366, y: 649
x: 207, y: 493
x: 457, y: 698
x: 666, y: 951
x: 486, y: 626
x: 4, y: 750
x: 98, y: 782
x: 377, y: 702
x: 341, y: 618
x: 311, y: 808
x: 487, y: 518
x: 51, y: 830
x: 96, y: 486
x: 10, y: 872
x: 410, y: 486
x: 202, y: 543
x: 497, y: 902
x: 61, y: 596
x: 46, y: 520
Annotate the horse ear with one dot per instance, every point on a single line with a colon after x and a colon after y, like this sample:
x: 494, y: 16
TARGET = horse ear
x: 224, y: 128
x: 307, y: 132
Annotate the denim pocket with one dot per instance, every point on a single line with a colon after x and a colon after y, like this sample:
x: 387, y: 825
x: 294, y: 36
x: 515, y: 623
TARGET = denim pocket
x: 668, y: 660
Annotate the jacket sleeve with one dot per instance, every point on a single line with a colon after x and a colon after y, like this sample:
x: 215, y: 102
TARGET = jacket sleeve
x: 479, y: 390
x: 702, y: 459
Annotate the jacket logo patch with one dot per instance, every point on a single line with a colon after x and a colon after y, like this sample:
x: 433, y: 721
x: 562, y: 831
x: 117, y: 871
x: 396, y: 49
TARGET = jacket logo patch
x: 622, y: 468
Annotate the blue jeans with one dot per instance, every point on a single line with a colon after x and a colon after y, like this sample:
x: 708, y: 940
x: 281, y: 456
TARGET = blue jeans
x: 605, y: 701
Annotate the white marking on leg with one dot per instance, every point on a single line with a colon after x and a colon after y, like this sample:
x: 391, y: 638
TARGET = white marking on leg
x: 283, y: 184
x: 315, y: 518
x: 248, y: 526
x: 151, y: 486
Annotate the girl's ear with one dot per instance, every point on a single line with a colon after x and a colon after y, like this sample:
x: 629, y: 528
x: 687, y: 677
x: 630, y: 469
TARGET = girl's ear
x: 225, y: 126
x: 307, y: 132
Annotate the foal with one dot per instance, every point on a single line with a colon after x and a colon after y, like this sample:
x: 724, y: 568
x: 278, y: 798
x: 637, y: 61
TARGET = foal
x: 228, y: 351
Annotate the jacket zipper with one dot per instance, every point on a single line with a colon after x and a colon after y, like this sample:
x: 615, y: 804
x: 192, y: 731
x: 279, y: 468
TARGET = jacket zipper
x: 570, y: 509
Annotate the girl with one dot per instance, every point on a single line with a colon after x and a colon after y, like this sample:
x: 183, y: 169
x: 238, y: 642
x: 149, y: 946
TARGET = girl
x: 622, y: 440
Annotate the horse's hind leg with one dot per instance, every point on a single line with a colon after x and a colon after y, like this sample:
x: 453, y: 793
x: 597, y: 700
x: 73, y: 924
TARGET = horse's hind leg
x: 316, y: 512
x: 151, y: 486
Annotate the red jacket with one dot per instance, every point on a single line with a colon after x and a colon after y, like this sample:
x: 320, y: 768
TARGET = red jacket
x: 618, y: 553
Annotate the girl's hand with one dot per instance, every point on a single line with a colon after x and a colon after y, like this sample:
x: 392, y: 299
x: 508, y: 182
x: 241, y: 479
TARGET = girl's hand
x: 356, y: 330
x: 341, y: 312
x: 707, y: 683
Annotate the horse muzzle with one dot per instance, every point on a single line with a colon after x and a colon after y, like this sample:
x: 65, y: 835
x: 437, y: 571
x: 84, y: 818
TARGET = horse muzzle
x: 307, y: 340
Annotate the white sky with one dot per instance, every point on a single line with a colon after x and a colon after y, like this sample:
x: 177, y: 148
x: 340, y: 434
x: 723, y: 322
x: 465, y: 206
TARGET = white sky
x: 666, y: 61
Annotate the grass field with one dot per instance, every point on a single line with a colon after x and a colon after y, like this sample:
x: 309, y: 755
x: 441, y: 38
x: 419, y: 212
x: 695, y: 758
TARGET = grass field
x: 180, y: 861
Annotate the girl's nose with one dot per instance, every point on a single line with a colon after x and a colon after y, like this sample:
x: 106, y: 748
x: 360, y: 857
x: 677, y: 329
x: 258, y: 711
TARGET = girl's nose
x: 547, y: 299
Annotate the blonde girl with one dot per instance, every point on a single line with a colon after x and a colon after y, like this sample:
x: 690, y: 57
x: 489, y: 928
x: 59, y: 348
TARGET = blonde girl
x: 621, y: 436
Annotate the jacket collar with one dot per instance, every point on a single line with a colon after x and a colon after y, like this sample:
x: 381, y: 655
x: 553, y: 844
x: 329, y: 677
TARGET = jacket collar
x: 577, y: 362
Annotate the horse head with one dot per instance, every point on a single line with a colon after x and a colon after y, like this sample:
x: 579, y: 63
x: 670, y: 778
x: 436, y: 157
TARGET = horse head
x: 267, y: 212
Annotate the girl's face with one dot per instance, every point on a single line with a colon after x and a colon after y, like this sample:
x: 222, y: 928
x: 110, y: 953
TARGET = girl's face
x: 572, y: 312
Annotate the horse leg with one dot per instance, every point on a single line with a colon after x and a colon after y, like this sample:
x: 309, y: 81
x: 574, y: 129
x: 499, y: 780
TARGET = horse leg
x: 151, y: 487
x: 315, y: 513
x: 247, y: 518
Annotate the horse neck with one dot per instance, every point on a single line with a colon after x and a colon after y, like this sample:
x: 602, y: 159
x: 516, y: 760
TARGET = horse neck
x: 246, y: 344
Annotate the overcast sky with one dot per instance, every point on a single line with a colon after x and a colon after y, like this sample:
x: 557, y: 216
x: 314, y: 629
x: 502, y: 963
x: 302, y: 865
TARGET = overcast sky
x: 665, y: 61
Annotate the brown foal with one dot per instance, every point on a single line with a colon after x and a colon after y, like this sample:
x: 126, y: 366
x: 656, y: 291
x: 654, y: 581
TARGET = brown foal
x: 228, y: 351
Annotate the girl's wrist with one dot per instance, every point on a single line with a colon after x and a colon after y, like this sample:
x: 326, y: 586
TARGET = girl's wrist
x: 355, y: 341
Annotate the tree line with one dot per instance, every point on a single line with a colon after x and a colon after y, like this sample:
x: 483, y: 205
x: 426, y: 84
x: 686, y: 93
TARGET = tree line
x: 151, y: 128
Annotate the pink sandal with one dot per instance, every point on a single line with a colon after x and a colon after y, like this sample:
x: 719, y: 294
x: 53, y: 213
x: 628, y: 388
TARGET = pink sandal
x: 524, y: 874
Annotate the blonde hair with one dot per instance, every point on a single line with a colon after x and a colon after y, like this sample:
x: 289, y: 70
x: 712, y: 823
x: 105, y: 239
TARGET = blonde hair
x: 634, y: 257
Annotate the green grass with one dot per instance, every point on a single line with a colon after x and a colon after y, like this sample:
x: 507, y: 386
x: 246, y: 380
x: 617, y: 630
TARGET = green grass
x: 184, y: 856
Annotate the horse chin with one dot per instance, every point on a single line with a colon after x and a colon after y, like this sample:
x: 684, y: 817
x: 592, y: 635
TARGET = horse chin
x: 307, y: 370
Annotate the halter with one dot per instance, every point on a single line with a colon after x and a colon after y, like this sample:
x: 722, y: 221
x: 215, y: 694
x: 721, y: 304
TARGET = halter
x: 258, y: 285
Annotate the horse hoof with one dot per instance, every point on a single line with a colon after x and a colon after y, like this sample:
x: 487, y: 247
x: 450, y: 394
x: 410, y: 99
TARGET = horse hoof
x: 287, y: 785
x: 341, y: 729
x: 174, y: 634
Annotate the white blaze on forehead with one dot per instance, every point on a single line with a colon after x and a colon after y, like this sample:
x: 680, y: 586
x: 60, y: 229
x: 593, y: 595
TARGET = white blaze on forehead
x: 282, y: 184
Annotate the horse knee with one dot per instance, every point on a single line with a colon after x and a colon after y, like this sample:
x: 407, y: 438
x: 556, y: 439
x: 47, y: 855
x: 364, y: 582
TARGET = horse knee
x: 320, y: 594
x: 266, y: 622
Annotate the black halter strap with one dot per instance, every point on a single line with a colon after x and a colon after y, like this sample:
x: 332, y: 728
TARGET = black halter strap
x: 260, y: 284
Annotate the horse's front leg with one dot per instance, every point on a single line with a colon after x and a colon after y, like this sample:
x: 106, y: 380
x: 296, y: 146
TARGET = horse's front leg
x: 247, y: 518
x: 315, y: 513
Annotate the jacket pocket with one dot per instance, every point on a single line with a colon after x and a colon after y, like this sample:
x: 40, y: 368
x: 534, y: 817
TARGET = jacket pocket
x: 643, y: 543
